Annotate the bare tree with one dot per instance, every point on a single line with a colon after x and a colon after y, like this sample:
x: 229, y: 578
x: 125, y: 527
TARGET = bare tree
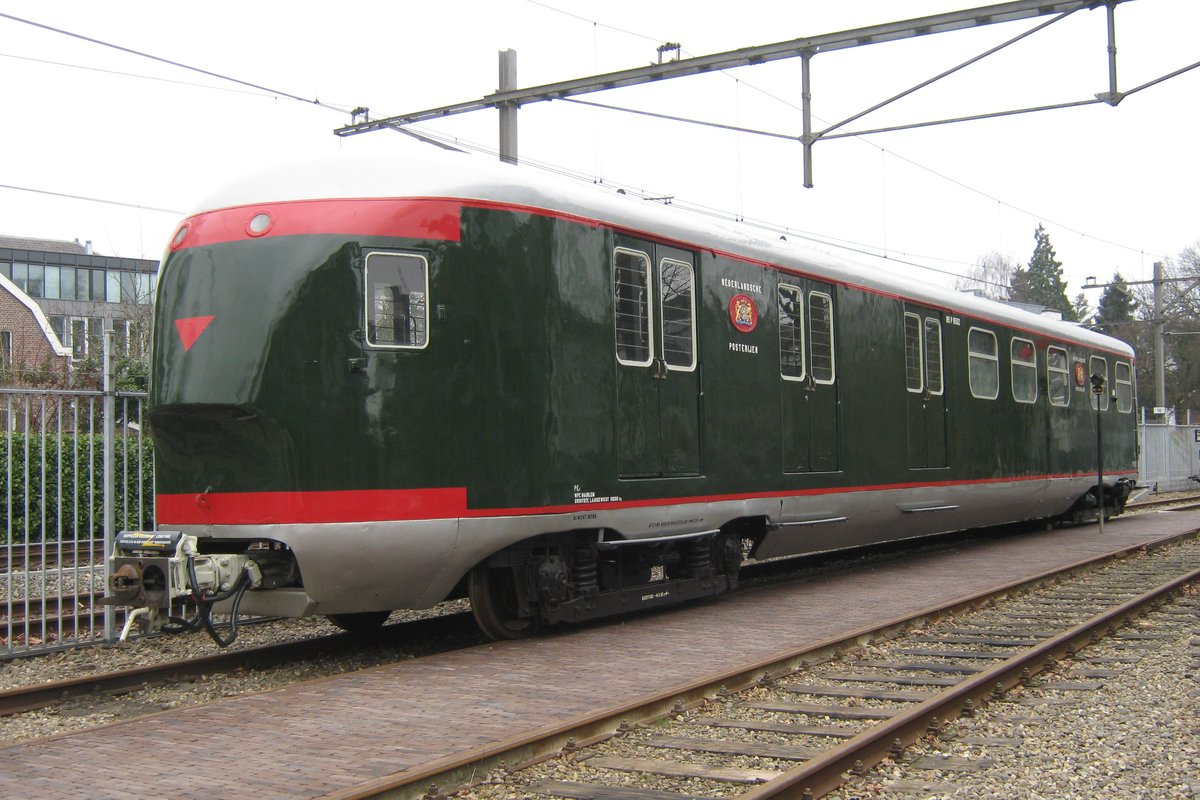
x: 991, y: 276
x: 1181, y: 324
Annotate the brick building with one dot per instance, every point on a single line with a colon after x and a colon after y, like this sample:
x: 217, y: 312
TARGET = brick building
x: 30, y: 351
x: 65, y: 296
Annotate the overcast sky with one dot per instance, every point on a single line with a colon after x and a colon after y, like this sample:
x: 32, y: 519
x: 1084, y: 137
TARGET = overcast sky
x: 1115, y: 187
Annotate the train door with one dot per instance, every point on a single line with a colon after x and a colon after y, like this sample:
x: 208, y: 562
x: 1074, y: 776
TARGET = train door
x: 807, y: 365
x: 924, y: 378
x: 658, y: 375
x: 1060, y: 422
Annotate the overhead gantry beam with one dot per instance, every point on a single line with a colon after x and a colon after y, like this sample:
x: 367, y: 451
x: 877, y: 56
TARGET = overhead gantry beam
x: 804, y: 48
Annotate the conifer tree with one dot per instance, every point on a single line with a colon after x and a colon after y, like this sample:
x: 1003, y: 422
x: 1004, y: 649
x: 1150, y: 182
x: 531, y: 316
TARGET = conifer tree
x: 1042, y: 283
x: 1116, y: 308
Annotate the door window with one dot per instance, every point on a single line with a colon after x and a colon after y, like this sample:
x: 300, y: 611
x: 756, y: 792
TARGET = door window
x: 631, y: 299
x: 677, y: 287
x: 933, y: 355
x: 820, y: 336
x: 791, y: 332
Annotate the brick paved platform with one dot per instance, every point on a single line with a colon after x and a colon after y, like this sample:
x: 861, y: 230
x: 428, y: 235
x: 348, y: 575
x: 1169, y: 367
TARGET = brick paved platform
x: 329, y: 734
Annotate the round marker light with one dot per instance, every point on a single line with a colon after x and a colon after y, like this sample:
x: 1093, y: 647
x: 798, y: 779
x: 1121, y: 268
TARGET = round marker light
x: 180, y: 235
x: 259, y: 224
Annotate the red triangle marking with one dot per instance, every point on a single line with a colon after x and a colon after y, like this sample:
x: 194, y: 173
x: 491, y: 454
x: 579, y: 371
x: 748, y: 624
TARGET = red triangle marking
x: 191, y: 328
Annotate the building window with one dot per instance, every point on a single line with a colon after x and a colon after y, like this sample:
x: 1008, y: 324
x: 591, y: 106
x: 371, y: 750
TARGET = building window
x: 791, y: 332
x: 397, y: 300
x: 53, y: 291
x: 820, y: 336
x: 631, y: 306
x: 20, y: 276
x: 678, y: 314
x: 112, y: 286
x: 145, y: 288
x: 98, y: 286
x: 6, y: 354
x: 1024, y: 370
x: 983, y: 364
x: 66, y: 283
x: 1097, y: 365
x: 79, y: 339
x: 1124, y: 388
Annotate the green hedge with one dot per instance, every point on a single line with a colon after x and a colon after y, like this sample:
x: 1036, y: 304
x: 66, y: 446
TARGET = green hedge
x: 62, y: 490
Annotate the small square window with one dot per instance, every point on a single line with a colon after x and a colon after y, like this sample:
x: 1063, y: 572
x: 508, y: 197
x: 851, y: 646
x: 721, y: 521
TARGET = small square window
x: 397, y: 300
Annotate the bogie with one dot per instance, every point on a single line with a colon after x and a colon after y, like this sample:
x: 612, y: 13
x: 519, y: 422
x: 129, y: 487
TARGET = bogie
x: 571, y: 579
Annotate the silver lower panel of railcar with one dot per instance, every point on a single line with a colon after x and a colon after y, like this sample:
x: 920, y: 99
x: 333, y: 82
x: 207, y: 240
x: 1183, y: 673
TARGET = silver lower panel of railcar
x: 364, y: 566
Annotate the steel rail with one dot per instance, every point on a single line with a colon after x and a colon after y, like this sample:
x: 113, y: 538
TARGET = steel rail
x: 50, y: 551
x: 824, y: 773
x: 29, y: 698
x: 1191, y: 500
x: 458, y: 770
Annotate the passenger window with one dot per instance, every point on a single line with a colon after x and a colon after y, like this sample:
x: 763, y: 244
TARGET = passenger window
x: 983, y: 364
x: 1024, y: 370
x: 791, y: 333
x: 913, y: 374
x: 397, y: 300
x: 1098, y: 365
x: 933, y: 356
x: 1124, y: 388
x: 631, y: 301
x: 820, y: 336
x: 678, y: 314
x: 1058, y: 383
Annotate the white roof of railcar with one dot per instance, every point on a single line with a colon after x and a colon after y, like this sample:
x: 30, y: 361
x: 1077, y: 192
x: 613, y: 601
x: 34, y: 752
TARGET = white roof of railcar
x: 463, y: 176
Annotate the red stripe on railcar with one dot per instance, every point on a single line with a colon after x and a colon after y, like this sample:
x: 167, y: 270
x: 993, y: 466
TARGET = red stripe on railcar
x: 405, y: 218
x: 282, y: 508
x: 380, y: 505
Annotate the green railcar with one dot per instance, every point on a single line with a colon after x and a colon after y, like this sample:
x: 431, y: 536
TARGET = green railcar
x: 377, y: 383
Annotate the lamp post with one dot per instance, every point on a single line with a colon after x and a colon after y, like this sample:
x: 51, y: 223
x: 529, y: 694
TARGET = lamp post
x: 1098, y: 391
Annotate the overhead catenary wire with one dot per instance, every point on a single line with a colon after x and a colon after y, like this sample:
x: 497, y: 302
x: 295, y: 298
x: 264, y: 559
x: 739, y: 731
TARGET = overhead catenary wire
x: 858, y: 136
x: 161, y: 60
x: 138, y: 206
x: 854, y: 247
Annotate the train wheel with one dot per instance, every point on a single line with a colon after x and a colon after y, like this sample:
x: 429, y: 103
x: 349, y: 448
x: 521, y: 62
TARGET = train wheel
x: 494, y: 601
x: 360, y: 623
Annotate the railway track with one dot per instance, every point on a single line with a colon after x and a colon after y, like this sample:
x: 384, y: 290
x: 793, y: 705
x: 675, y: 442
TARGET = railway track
x: 432, y: 635
x: 435, y: 634
x: 42, y: 555
x: 1181, y: 503
x: 808, y: 721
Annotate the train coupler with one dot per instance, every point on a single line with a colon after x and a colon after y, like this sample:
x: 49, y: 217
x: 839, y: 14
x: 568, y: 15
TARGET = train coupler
x: 153, y: 570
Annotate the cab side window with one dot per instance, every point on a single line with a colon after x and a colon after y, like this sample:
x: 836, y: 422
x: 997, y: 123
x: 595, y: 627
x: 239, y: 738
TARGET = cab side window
x: 397, y: 300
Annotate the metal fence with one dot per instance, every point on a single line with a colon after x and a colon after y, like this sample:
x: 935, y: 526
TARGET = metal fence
x: 74, y: 468
x: 1169, y: 456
